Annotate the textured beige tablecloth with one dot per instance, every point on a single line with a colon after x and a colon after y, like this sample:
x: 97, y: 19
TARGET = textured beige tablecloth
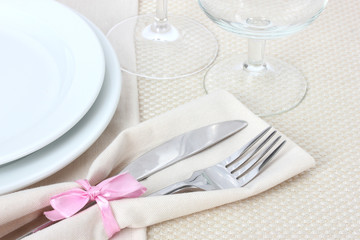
x: 323, y: 203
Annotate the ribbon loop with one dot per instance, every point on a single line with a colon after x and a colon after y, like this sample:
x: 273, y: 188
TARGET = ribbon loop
x: 70, y: 202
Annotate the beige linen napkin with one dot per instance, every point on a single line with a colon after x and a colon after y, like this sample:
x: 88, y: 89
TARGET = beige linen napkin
x: 141, y: 212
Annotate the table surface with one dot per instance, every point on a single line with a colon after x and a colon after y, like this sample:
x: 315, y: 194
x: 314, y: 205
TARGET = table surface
x: 321, y: 203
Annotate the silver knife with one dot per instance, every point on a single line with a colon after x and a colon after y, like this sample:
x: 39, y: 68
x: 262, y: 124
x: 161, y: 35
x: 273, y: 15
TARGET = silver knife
x: 181, y: 147
x: 173, y: 151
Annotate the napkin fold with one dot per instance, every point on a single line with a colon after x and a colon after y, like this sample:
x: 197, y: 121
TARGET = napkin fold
x: 145, y: 211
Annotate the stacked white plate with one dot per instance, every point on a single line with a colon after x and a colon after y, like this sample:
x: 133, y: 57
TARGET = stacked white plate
x: 60, y: 84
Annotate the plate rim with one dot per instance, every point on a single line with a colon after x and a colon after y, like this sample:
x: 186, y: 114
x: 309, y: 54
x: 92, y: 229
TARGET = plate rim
x: 63, y: 117
x: 112, y: 83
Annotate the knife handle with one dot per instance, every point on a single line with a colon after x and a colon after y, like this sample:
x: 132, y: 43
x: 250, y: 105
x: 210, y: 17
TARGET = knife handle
x: 49, y: 223
x: 42, y: 226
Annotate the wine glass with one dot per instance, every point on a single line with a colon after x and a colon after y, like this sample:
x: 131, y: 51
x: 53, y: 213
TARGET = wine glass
x: 163, y: 45
x: 267, y: 86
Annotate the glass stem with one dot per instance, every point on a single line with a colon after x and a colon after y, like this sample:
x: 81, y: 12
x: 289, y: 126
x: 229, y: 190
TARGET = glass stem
x: 255, y: 61
x: 161, y: 30
x: 161, y: 24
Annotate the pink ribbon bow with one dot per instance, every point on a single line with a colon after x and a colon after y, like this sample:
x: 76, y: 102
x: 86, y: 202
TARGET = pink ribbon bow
x: 70, y: 202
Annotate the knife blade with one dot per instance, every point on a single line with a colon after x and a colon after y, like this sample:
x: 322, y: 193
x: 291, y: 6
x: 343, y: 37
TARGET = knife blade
x: 173, y: 151
x: 181, y: 147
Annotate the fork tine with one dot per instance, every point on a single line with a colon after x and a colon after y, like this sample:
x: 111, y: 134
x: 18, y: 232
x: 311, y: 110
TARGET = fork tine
x: 238, y: 172
x: 245, y: 148
x: 250, y: 175
x: 237, y: 164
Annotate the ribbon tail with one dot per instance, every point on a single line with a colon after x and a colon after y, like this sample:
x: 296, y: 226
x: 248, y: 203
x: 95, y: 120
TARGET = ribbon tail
x: 53, y: 215
x: 110, y: 224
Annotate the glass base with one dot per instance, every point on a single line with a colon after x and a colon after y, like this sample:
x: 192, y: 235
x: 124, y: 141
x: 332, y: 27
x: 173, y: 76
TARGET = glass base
x: 276, y: 88
x: 183, y: 48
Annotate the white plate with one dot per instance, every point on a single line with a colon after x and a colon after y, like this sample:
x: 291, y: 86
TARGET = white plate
x: 51, y: 71
x: 48, y: 160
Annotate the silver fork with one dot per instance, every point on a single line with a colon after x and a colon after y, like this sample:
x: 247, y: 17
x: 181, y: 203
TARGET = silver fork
x: 235, y: 171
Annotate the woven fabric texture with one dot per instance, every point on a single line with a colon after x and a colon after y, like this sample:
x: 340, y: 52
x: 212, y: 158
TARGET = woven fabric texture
x: 322, y: 203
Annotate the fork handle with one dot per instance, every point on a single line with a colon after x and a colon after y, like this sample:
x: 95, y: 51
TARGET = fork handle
x: 172, y: 188
x: 197, y: 181
x: 188, y: 183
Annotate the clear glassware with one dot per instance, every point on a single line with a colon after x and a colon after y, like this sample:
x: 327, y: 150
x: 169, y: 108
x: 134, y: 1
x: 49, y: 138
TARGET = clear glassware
x: 268, y: 85
x: 163, y: 45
